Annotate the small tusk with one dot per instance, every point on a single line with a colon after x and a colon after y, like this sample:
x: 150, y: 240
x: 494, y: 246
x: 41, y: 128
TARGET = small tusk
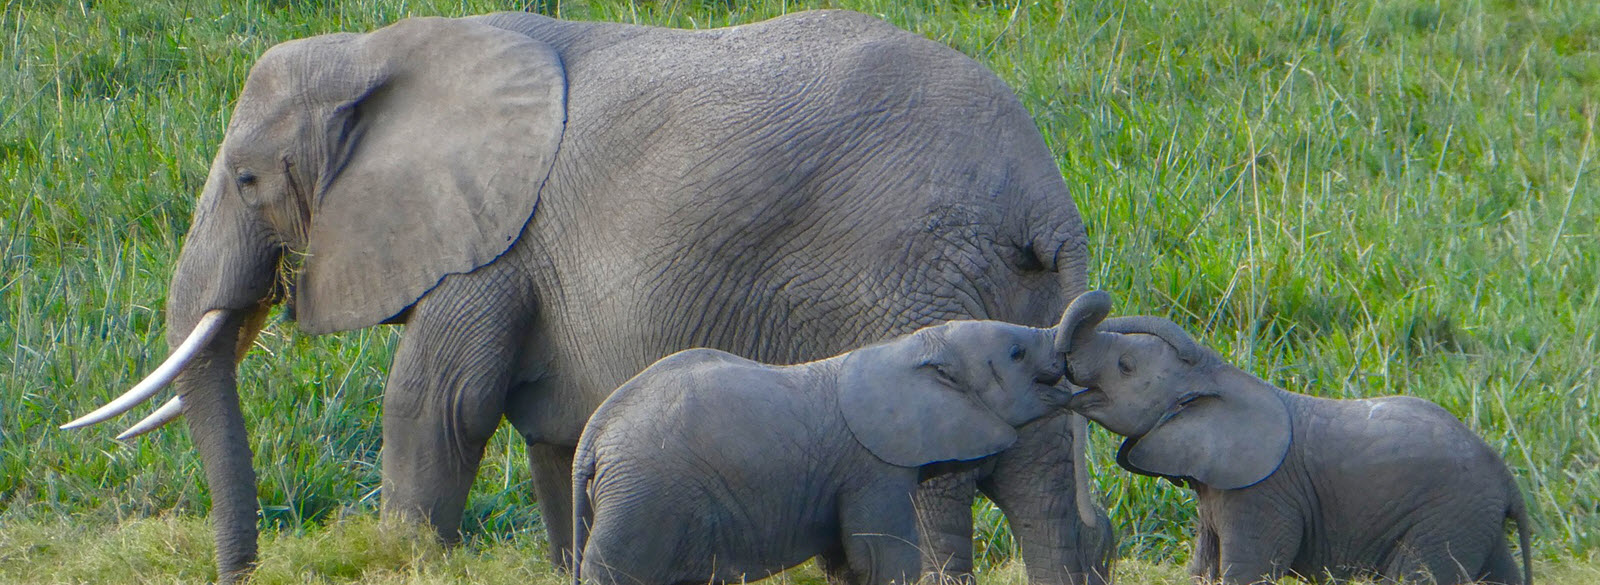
x: 207, y: 328
x: 167, y: 413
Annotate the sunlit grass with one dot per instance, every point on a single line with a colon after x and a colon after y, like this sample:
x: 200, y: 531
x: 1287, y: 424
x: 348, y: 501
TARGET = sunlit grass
x: 1349, y: 199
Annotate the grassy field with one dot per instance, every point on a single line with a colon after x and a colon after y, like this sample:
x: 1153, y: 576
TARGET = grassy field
x: 1348, y: 198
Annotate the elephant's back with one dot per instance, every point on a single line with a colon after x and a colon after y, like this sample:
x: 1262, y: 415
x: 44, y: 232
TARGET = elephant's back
x: 1410, y: 439
x: 675, y: 106
x: 830, y: 179
x: 1402, y: 430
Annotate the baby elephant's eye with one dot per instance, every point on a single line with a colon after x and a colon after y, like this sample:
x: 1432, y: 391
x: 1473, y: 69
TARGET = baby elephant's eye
x: 1017, y: 353
x: 247, y: 178
x: 1125, y: 364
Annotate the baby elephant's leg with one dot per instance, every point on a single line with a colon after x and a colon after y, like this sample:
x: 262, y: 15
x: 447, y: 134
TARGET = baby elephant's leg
x: 1503, y: 568
x: 1256, y: 550
x: 626, y: 547
x: 1445, y: 550
x: 835, y: 567
x: 1203, y: 561
x: 879, y: 532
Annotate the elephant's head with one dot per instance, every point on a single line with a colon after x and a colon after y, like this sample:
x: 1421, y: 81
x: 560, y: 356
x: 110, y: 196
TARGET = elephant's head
x: 1186, y: 414
x: 951, y: 392
x: 366, y: 167
x: 357, y: 171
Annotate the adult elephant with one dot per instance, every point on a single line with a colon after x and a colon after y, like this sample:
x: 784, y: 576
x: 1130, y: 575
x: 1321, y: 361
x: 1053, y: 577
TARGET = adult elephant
x: 550, y: 206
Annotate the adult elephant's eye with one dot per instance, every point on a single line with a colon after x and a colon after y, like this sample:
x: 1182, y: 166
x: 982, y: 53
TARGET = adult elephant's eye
x: 1017, y: 353
x: 246, y: 178
x: 1125, y: 364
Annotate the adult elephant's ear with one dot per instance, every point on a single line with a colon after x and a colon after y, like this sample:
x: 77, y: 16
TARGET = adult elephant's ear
x: 434, y: 169
x: 1231, y: 434
x: 895, y: 405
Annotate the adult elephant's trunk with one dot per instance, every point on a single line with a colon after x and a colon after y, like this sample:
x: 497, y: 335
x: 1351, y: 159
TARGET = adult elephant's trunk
x: 208, y: 390
x: 223, y: 285
x: 227, y: 263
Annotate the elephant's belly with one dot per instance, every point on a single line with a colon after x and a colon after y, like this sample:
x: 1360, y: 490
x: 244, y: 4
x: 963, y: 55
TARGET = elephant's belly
x: 697, y: 540
x: 546, y: 412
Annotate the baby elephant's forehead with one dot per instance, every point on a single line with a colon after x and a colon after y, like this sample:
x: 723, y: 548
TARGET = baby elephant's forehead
x: 985, y: 331
x: 1146, y: 342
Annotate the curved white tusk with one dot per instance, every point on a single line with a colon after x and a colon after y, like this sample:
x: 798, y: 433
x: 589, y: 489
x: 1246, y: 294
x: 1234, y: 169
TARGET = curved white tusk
x: 167, y: 413
x: 203, y: 331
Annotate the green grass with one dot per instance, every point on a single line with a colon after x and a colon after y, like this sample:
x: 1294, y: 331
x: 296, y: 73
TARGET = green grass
x: 1349, y: 199
x: 171, y: 549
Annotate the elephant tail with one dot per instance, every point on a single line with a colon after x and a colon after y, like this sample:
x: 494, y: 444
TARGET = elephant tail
x: 1518, y: 512
x: 582, y: 507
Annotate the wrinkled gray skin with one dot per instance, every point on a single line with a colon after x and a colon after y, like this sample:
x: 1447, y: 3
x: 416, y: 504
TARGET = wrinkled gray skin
x: 1392, y: 487
x: 551, y: 206
x: 711, y: 467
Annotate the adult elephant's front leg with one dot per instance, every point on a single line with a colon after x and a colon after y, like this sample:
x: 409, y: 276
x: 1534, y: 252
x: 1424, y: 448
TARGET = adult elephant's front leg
x: 446, y: 394
x: 552, y: 484
x: 1032, y: 483
x: 944, y: 522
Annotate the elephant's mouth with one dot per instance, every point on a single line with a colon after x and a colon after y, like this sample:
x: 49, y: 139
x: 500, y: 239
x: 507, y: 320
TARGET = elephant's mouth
x: 1087, y: 399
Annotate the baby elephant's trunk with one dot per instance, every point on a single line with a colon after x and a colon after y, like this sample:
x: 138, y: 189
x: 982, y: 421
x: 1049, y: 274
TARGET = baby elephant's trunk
x: 1076, y: 328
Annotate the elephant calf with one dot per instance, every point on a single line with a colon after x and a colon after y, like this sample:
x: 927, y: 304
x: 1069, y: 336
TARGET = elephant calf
x: 1394, y: 487
x: 710, y: 467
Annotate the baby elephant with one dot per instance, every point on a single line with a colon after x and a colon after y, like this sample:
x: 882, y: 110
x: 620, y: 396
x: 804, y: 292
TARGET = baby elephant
x: 1394, y: 488
x: 710, y: 467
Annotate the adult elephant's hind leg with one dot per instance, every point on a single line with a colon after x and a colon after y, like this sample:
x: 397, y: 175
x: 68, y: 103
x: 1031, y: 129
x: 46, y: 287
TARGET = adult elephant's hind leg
x: 446, y: 394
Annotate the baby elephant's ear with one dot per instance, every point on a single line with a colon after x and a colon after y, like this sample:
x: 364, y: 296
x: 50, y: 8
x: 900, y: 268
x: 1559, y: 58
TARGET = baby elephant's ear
x: 899, y: 410
x: 1229, y: 439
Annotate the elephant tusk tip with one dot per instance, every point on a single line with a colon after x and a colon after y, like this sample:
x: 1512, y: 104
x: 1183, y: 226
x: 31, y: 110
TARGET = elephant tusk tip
x: 209, y: 324
x: 78, y: 423
x: 168, y: 412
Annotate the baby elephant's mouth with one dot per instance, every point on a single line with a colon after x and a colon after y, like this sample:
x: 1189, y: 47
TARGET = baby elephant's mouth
x: 1087, y: 399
